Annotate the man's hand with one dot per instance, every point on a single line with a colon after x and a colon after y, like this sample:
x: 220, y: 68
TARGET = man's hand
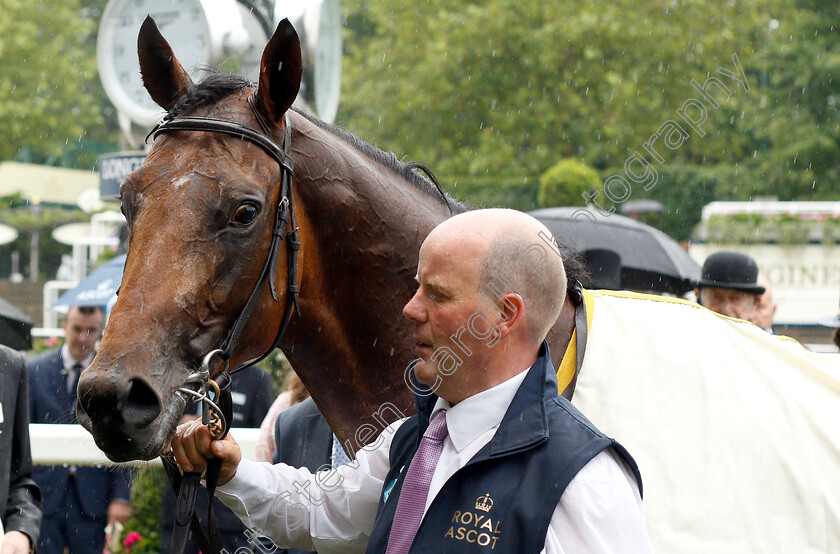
x: 192, y: 446
x: 118, y: 510
x: 15, y: 542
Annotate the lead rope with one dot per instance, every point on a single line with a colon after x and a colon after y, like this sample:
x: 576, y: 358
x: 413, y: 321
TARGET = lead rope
x: 216, y: 413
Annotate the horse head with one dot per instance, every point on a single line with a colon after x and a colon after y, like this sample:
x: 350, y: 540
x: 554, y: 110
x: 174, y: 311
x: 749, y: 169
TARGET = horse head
x: 200, y: 214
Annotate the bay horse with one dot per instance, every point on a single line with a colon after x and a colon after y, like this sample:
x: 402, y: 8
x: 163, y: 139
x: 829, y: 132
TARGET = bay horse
x: 734, y: 430
x: 201, y: 213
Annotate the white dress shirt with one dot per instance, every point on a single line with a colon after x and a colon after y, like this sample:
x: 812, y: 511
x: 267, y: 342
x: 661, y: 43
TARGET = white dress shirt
x: 69, y: 365
x: 334, y: 510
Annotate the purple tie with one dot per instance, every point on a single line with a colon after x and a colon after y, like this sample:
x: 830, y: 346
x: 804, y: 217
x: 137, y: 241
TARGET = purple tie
x: 415, y: 487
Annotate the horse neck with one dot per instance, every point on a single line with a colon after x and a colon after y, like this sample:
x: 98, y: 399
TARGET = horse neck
x: 361, y: 230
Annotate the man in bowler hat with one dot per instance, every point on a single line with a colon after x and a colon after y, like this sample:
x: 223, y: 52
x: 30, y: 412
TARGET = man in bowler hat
x: 729, y: 285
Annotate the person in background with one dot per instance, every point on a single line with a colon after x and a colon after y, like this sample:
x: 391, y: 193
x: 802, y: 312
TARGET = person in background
x: 20, y: 498
x: 729, y: 285
x: 78, y: 502
x: 832, y: 321
x: 766, y: 310
x: 495, y: 458
x: 293, y: 393
x: 252, y: 393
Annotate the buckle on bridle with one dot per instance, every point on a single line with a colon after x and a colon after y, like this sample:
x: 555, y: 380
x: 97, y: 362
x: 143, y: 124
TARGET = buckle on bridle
x: 211, y: 414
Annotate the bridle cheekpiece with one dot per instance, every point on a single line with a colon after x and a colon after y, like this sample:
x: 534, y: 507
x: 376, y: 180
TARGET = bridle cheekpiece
x: 217, y: 411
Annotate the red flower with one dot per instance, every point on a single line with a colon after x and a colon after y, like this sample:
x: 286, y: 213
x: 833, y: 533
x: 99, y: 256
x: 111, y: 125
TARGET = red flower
x: 131, y: 539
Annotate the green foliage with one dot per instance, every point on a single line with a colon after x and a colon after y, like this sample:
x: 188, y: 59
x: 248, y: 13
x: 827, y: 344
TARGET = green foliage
x: 500, y: 92
x: 146, y: 502
x: 759, y: 229
x: 493, y: 192
x: 683, y: 190
x: 276, y: 365
x: 51, y: 103
x: 565, y: 183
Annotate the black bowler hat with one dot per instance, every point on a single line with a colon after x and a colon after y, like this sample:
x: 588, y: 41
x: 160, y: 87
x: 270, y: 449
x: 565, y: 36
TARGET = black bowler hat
x: 730, y: 270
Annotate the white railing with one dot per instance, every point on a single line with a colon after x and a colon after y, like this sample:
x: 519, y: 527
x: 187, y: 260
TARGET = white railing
x: 73, y: 445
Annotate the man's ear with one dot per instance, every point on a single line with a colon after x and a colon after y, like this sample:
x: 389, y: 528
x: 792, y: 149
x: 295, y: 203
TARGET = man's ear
x: 511, y: 313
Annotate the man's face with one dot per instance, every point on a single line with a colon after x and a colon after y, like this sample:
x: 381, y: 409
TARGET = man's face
x: 81, y: 331
x: 447, y: 296
x: 765, y: 310
x: 729, y: 302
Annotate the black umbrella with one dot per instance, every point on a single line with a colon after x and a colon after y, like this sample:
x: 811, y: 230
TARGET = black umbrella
x: 15, y: 327
x: 622, y: 252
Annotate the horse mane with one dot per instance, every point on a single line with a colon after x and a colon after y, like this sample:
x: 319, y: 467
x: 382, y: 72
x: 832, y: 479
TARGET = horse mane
x: 387, y: 159
x: 216, y: 86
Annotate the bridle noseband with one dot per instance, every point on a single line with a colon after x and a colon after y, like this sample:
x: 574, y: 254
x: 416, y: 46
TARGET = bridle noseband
x: 217, y: 411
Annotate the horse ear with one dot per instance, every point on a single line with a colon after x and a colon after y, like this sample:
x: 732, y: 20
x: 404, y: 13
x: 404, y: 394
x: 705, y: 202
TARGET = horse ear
x: 280, y: 72
x: 163, y: 75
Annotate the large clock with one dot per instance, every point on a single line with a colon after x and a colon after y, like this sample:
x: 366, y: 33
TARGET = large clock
x: 318, y: 22
x: 203, y: 33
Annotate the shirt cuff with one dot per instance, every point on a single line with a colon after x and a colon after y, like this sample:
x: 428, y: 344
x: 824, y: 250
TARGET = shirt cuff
x: 247, y: 479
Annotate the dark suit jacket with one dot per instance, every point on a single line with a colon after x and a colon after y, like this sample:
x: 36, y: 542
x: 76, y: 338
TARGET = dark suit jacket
x: 20, y: 499
x: 303, y: 439
x: 49, y: 402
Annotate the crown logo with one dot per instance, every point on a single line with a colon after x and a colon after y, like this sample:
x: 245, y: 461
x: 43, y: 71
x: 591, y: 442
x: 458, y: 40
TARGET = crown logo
x: 484, y: 503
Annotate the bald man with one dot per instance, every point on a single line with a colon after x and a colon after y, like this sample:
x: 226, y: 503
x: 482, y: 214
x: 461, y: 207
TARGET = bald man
x: 494, y: 460
x: 765, y: 310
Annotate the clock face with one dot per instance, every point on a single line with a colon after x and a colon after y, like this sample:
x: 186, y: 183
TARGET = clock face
x: 182, y: 23
x: 318, y: 22
x: 328, y: 61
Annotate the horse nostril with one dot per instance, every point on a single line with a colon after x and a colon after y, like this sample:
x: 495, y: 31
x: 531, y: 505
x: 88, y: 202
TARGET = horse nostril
x: 142, y: 405
x: 98, y: 407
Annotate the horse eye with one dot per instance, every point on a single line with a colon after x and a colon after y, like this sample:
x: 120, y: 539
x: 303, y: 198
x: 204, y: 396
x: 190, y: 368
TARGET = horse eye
x: 244, y: 215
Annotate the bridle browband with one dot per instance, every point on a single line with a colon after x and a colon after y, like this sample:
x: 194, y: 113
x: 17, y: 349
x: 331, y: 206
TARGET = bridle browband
x: 220, y: 406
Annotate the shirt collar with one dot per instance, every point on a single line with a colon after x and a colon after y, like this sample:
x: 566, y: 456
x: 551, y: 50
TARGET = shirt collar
x: 68, y: 362
x: 479, y: 413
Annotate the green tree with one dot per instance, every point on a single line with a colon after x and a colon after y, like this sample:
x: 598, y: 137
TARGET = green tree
x: 52, y: 107
x: 565, y: 183
x: 499, y: 92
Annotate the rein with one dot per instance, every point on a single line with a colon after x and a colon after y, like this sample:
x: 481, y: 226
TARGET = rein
x: 217, y: 412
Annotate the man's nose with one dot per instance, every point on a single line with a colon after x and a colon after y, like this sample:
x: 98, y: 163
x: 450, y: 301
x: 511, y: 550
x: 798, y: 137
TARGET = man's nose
x: 413, y: 309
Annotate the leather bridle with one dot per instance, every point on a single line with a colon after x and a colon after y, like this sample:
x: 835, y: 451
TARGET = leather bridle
x: 217, y: 411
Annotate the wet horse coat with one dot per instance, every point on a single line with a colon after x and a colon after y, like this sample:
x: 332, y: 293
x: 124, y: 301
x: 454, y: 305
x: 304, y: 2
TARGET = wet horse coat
x: 199, y: 213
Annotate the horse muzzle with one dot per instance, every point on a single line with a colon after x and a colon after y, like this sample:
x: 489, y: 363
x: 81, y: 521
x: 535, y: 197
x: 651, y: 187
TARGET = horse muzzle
x: 125, y: 414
